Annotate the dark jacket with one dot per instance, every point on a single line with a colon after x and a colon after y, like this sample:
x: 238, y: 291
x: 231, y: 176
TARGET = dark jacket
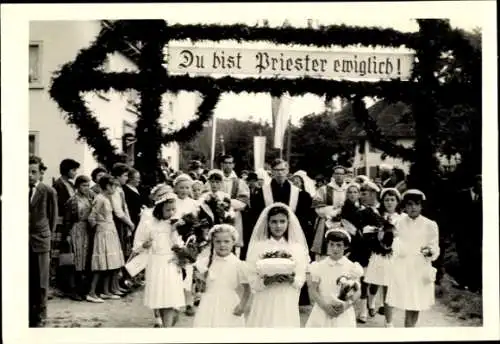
x: 135, y: 202
x: 62, y: 194
x: 42, y: 217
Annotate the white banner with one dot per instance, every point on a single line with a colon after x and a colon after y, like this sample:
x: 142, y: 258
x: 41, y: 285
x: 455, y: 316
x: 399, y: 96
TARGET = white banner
x: 259, y: 152
x: 290, y: 63
x: 281, y: 121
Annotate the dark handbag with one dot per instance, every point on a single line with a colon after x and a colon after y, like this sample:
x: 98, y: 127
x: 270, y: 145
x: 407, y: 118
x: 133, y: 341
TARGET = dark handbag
x: 67, y: 258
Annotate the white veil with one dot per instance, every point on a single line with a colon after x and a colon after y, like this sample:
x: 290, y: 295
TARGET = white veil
x: 260, y: 231
x: 309, y: 184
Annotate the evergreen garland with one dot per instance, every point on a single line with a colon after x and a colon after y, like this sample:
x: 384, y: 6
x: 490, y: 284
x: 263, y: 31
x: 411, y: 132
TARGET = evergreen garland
x: 152, y: 80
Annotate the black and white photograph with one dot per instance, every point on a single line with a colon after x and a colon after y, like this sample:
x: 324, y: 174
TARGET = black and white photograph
x: 329, y: 157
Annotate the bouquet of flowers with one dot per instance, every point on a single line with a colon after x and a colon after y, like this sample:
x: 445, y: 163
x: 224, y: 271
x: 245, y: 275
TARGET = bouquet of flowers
x: 276, y: 267
x: 219, y: 205
x: 426, y: 251
x: 193, y: 228
x: 379, y: 234
x: 191, y: 225
x: 348, y: 286
x: 187, y: 253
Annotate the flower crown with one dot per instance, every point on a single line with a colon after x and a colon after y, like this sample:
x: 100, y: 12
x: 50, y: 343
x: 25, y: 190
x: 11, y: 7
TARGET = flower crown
x: 223, y: 228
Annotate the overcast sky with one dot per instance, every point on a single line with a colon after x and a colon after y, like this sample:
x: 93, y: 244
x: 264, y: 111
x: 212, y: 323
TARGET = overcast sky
x: 258, y: 106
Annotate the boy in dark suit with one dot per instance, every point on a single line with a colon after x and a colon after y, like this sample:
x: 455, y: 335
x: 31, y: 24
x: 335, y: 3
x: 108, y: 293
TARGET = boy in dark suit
x: 65, y: 190
x: 42, y: 221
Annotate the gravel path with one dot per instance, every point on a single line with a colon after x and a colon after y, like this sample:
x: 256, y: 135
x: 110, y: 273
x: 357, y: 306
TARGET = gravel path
x: 130, y: 312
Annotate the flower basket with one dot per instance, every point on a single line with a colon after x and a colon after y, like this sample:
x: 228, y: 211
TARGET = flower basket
x: 276, y: 263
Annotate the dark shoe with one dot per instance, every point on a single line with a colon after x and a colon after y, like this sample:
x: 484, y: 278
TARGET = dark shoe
x: 76, y: 297
x: 381, y: 311
x: 157, y: 326
x: 371, y: 312
x: 361, y: 320
x: 189, y: 311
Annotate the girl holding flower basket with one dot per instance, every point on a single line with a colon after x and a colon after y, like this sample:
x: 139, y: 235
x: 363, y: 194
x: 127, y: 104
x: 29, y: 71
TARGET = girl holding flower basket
x: 155, y: 236
x: 277, y: 257
x: 334, y: 283
x: 415, y: 247
x: 225, y: 280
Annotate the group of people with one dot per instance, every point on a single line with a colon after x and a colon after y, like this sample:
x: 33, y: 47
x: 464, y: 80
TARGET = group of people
x: 81, y: 235
x: 323, y: 227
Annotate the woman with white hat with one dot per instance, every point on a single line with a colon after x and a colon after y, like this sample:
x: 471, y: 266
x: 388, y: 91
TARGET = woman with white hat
x: 156, y: 235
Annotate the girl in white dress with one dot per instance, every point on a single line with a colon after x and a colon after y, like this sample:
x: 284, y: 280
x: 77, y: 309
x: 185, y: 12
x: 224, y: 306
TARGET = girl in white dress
x: 164, y: 288
x: 186, y: 205
x: 322, y: 276
x: 277, y: 304
x: 379, y: 267
x: 416, y: 246
x: 227, y: 291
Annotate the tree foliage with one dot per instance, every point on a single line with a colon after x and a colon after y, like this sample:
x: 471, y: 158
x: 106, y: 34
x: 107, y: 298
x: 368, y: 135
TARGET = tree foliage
x: 319, y: 143
x: 238, y: 141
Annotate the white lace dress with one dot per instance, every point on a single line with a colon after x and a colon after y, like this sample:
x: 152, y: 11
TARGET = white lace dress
x: 277, y: 305
x: 411, y: 286
x: 164, y: 287
x: 224, y: 285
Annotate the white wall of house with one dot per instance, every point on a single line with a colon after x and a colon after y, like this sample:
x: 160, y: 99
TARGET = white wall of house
x: 59, y: 42
x: 375, y: 157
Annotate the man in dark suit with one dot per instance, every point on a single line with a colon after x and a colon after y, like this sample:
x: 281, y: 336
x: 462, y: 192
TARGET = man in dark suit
x: 469, y: 235
x: 42, y: 221
x: 133, y: 196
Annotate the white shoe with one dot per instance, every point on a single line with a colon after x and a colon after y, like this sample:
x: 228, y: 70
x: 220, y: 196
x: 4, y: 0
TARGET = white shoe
x: 363, y: 311
x: 389, y: 325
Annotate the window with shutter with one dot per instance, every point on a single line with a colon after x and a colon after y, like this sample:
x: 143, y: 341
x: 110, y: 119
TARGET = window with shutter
x: 34, y: 142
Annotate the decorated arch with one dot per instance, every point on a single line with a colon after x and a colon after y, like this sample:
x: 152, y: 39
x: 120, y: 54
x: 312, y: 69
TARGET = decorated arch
x: 422, y: 91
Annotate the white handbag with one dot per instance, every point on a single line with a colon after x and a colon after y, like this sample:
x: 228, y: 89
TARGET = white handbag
x: 137, y: 263
x: 429, y: 274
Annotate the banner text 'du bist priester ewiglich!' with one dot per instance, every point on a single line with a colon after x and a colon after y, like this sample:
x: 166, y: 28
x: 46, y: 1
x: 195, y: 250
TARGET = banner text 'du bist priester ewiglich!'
x: 290, y: 63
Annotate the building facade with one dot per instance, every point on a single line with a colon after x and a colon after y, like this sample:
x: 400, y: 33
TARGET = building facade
x: 52, y: 44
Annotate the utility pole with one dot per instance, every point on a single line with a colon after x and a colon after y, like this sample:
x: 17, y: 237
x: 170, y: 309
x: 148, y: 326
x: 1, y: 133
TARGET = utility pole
x: 289, y: 141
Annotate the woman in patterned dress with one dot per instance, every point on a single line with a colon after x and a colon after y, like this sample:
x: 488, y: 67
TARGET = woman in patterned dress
x: 75, y: 219
x: 107, y: 256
